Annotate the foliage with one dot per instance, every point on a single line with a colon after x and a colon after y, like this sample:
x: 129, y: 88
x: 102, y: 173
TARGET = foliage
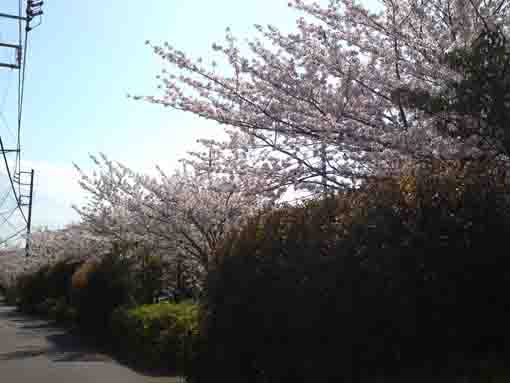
x: 57, y: 309
x: 149, y: 278
x: 31, y: 289
x: 62, y: 312
x: 88, y: 293
x: 58, y: 279
x: 37, y: 291
x: 80, y: 277
x: 401, y: 274
x: 46, y: 291
x: 480, y: 98
x: 71, y: 289
x: 13, y: 263
x: 98, y: 289
x: 157, y: 335
x: 10, y: 293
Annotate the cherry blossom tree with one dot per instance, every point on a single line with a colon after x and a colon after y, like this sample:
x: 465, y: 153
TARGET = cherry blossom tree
x: 326, y: 105
x: 182, y: 216
x: 481, y: 99
x: 74, y: 241
x: 47, y: 247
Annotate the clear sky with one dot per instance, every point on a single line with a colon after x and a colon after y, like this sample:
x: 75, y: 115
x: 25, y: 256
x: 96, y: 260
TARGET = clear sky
x: 83, y: 60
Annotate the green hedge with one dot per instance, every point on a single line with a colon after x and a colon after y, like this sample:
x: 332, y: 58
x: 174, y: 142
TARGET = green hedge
x: 11, y: 295
x: 410, y: 273
x: 36, y: 290
x: 98, y: 289
x: 157, y: 335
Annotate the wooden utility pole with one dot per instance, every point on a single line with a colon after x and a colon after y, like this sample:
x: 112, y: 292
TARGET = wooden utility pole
x: 29, y: 220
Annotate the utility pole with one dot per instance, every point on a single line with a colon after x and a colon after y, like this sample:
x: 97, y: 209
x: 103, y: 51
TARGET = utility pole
x: 32, y: 11
x: 30, y: 198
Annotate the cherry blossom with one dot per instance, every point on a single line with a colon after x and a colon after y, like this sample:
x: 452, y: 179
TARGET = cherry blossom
x: 324, y: 107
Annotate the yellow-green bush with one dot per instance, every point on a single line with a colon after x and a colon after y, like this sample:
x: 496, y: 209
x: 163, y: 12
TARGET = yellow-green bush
x: 156, y: 335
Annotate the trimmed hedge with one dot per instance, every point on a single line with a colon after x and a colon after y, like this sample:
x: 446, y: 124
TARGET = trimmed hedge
x: 51, y: 283
x: 405, y: 274
x: 10, y: 294
x: 157, y: 335
x: 98, y: 288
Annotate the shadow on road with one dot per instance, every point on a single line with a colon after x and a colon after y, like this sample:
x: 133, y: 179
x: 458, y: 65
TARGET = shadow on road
x: 42, y: 338
x: 39, y: 337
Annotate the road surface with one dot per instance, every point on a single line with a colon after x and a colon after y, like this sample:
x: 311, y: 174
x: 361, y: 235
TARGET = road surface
x: 34, y: 351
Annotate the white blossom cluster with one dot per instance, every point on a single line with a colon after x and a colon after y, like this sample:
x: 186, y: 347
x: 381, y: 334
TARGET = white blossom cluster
x: 319, y: 107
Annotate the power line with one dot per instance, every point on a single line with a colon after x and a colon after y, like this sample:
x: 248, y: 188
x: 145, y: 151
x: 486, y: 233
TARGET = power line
x: 21, y: 84
x: 7, y: 89
x: 4, y: 99
x: 6, y: 219
x: 4, y: 198
x: 6, y: 124
x: 5, y: 212
x: 22, y: 96
x: 2, y: 149
x: 33, y: 10
x: 12, y: 236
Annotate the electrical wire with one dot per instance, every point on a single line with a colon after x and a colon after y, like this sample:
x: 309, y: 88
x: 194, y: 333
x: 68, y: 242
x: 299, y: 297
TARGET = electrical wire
x: 17, y: 162
x: 18, y: 200
x: 21, y: 82
x: 12, y: 236
x: 15, y: 176
x: 4, y: 198
x: 2, y: 105
x: 6, y: 219
x: 21, y: 85
x: 6, y: 124
x: 6, y: 92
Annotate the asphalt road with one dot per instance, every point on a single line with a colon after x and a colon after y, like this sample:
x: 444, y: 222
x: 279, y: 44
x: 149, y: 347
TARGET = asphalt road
x: 34, y: 351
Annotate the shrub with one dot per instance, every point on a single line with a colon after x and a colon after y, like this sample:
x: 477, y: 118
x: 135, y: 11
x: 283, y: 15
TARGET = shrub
x: 32, y: 289
x: 51, y: 282
x: 398, y: 274
x: 157, y: 335
x: 149, y: 275
x: 80, y: 278
x: 44, y: 307
x: 59, y: 278
x: 62, y: 312
x: 11, y: 294
x: 98, y: 289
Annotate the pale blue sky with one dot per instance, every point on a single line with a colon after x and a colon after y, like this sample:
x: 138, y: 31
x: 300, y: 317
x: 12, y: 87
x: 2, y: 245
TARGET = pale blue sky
x: 83, y: 60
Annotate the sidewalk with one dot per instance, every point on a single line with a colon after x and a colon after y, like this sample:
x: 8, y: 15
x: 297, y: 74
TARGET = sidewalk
x: 35, y: 351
